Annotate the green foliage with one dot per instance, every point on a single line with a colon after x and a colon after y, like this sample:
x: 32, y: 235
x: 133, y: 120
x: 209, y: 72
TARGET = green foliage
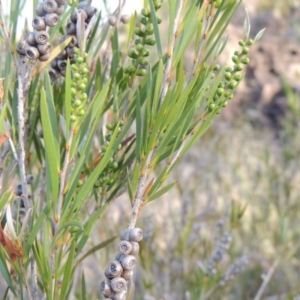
x: 123, y: 121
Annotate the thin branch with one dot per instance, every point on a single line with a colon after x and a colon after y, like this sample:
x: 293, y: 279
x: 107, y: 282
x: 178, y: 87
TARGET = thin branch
x: 267, y: 279
x: 139, y: 196
x: 63, y: 174
x: 171, y: 46
x: 34, y: 290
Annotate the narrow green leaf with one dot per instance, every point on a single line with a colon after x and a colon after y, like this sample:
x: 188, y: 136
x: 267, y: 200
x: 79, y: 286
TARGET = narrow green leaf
x: 5, y: 198
x: 156, y: 29
x: 83, y: 288
x: 161, y: 192
x: 68, y: 272
x: 259, y: 35
x: 50, y: 133
x: 138, y: 126
x: 68, y: 97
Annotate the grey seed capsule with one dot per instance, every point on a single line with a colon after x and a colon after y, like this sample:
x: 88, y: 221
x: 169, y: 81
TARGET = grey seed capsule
x: 90, y: 11
x: 125, y: 247
x: 60, y: 10
x: 45, y: 56
x: 124, y: 235
x: 118, y: 296
x: 32, y: 52
x: 105, y: 288
x: 73, y: 42
x: 44, y: 48
x: 18, y: 190
x: 38, y: 23
x: 70, y: 52
x: 82, y: 4
x: 21, y: 47
x: 61, y: 2
x: 63, y: 72
x: 41, y: 37
x: 135, y: 235
x: 30, y: 39
x: 74, y: 15
x: 127, y: 275
x: 135, y: 248
x: 29, y: 179
x: 50, y: 6
x: 53, y: 64
x: 62, y: 55
x: 54, y: 74
x: 114, y: 269
x: 71, y: 28
x: 62, y: 64
x: 112, y: 21
x: 51, y: 19
x: 39, y: 10
x: 125, y: 19
x: 128, y: 262
x: 118, y: 285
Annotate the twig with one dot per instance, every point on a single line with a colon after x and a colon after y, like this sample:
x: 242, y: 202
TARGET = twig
x: 139, y: 196
x: 34, y: 290
x: 63, y: 175
x: 267, y: 279
x: 166, y: 79
x: 202, y: 41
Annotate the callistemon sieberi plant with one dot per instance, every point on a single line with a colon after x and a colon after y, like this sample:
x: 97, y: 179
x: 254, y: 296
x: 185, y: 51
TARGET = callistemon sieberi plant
x: 87, y: 114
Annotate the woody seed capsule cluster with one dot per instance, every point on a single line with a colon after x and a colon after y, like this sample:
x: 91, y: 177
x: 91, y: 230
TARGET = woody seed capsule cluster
x: 58, y: 66
x: 120, y: 271
x: 36, y: 44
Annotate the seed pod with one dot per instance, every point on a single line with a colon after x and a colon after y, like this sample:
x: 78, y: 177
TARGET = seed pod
x: 73, y: 42
x: 41, y: 37
x: 21, y: 47
x: 53, y: 64
x: 45, y: 56
x: 63, y: 72
x: 61, y: 64
x: 135, y: 248
x: 30, y: 39
x: 18, y: 190
x: 127, y: 275
x: 54, y: 74
x: 39, y: 10
x: 38, y: 23
x: 50, y: 6
x: 29, y: 179
x: 125, y: 247
x: 124, y: 235
x: 62, y: 55
x: 71, y: 29
x: 114, y: 269
x: 90, y: 11
x: 51, y: 19
x: 128, y: 262
x: 60, y: 10
x: 82, y: 4
x: 105, y: 288
x: 74, y: 15
x: 32, y: 52
x: 61, y: 2
x: 125, y: 19
x: 44, y: 48
x: 118, y: 285
x: 112, y: 21
x: 135, y: 235
x: 118, y: 296
x: 70, y: 52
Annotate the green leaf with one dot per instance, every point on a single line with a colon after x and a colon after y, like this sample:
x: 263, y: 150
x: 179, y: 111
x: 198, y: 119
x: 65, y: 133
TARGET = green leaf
x: 83, y: 288
x: 155, y: 27
x: 5, y: 271
x: 138, y: 126
x: 259, y: 35
x: 161, y: 192
x: 68, y: 272
x: 5, y: 198
x: 68, y: 97
x: 50, y: 133
x: 94, y: 249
